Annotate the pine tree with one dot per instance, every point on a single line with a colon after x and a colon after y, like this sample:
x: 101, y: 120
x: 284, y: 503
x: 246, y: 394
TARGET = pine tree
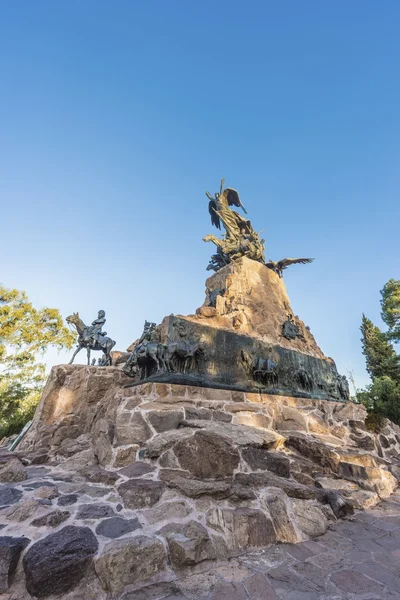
x: 390, y: 304
x: 379, y: 354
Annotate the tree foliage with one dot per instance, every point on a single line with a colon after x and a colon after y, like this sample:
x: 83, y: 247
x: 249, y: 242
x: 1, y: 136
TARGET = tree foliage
x: 382, y: 397
x: 379, y: 353
x: 390, y: 303
x: 25, y: 334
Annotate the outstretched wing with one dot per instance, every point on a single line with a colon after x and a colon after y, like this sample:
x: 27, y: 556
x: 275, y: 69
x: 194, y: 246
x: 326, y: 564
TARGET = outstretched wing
x: 233, y: 198
x: 212, y: 209
x: 286, y: 262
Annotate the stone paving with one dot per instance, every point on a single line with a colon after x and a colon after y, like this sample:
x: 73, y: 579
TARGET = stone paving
x: 357, y: 559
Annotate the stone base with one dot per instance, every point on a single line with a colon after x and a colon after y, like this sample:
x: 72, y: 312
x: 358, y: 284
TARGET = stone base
x: 245, y: 337
x: 154, y: 480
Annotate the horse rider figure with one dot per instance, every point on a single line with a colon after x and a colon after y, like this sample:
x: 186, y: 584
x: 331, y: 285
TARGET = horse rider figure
x: 95, y: 332
x: 149, y: 334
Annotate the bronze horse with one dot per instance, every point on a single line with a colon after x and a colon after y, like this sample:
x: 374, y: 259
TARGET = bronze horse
x: 85, y: 340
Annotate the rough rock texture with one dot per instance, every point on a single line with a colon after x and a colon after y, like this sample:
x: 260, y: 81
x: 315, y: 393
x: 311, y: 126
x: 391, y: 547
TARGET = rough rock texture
x: 10, y: 551
x: 129, y: 561
x: 57, y: 563
x: 259, y: 296
x: 236, y: 473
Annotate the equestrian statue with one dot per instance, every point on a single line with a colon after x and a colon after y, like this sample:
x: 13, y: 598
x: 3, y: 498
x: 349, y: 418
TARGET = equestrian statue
x: 92, y: 338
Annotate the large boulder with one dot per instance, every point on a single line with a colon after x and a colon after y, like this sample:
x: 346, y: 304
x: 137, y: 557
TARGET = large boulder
x: 188, y: 543
x: 131, y: 428
x: 315, y: 450
x: 13, y: 470
x: 263, y: 460
x: 58, y: 562
x: 243, y: 528
x: 129, y: 561
x: 207, y: 455
x: 140, y: 493
x: 279, y: 508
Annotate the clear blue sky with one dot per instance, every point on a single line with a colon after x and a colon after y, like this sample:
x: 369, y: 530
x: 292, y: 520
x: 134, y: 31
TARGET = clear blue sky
x: 115, y: 117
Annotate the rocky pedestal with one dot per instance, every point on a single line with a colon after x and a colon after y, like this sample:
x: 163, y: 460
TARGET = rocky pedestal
x: 245, y: 337
x: 119, y: 489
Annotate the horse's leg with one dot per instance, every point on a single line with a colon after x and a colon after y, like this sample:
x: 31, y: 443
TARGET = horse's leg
x: 79, y: 348
x: 88, y: 355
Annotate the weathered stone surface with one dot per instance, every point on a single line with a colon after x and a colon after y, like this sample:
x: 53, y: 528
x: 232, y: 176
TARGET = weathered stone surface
x: 315, y: 451
x: 252, y: 420
x: 125, y: 456
x: 261, y: 459
x: 258, y: 588
x: 137, y: 469
x: 243, y: 435
x: 207, y: 456
x: 94, y: 511
x: 140, y: 493
x: 291, y: 419
x: 13, y: 470
x: 194, y: 412
x: 309, y: 518
x: 23, y: 510
x: 188, y: 543
x: 115, y: 527
x: 168, y: 511
x: 52, y: 519
x: 194, y: 488
x: 9, y: 495
x: 242, y: 527
x: 279, y: 508
x: 340, y: 506
x: 102, y: 437
x: 224, y: 590
x: 67, y: 500
x: 10, y: 551
x: 131, y: 428
x: 352, y: 582
x: 165, y: 420
x: 291, y: 488
x: 79, y: 461
x: 97, y: 474
x: 362, y: 499
x: 57, y: 563
x: 46, y: 491
x: 161, y: 442
x: 129, y: 561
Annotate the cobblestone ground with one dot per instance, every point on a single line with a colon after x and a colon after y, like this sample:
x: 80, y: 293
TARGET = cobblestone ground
x: 357, y: 559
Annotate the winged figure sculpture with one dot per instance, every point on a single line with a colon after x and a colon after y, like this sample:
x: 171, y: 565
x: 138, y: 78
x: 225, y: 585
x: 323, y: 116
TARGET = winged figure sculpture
x: 283, y: 264
x: 239, y: 239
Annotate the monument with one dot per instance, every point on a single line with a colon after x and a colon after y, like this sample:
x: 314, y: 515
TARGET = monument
x: 244, y: 337
x: 92, y: 338
x: 220, y: 433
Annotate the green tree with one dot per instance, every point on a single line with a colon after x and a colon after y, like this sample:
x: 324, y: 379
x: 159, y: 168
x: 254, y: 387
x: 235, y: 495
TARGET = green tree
x: 390, y: 303
x: 379, y: 353
x: 25, y: 334
x: 382, y: 397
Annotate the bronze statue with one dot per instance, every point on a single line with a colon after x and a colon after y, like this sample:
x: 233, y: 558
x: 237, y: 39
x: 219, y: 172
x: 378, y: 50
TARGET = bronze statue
x: 239, y: 239
x: 281, y: 265
x: 92, y: 337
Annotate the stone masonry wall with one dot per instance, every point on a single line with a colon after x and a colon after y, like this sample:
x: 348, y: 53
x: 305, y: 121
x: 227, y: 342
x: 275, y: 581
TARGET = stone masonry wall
x: 119, y: 488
